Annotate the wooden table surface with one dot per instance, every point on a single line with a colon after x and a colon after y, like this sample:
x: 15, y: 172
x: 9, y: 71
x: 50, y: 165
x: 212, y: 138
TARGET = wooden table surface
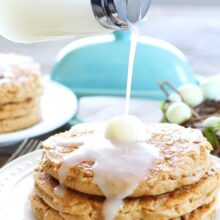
x: 194, y: 30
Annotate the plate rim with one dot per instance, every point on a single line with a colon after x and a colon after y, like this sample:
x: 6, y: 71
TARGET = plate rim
x: 22, y: 158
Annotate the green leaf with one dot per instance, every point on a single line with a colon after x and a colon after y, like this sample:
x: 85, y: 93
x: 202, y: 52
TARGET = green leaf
x: 211, y: 136
x: 164, y: 119
x: 163, y: 107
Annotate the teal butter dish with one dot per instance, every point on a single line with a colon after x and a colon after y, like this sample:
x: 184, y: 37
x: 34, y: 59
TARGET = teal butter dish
x: 98, y: 65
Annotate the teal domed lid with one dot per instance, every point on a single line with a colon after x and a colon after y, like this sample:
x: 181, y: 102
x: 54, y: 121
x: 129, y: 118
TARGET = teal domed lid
x: 98, y: 65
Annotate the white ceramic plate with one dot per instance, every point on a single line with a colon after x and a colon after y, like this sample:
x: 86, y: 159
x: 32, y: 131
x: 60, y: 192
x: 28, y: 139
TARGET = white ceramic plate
x: 58, y: 106
x: 16, y: 182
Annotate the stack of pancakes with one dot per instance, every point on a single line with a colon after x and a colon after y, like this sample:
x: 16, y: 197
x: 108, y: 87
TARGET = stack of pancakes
x: 182, y: 184
x: 20, y: 91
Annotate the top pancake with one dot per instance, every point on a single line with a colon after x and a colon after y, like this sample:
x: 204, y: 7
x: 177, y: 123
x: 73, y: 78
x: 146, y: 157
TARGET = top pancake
x: 19, y: 78
x: 184, y: 159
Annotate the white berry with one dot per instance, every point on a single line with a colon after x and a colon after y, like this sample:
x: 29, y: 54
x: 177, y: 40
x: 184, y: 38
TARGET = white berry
x: 211, y: 121
x: 125, y: 128
x: 174, y: 97
x: 178, y: 113
x: 211, y: 88
x: 192, y: 94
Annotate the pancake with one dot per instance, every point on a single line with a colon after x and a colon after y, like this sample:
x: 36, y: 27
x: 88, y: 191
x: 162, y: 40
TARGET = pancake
x: 14, y: 124
x: 41, y: 210
x: 44, y: 212
x: 163, y: 207
x: 206, y: 212
x: 184, y: 159
x: 18, y: 109
x: 19, y: 78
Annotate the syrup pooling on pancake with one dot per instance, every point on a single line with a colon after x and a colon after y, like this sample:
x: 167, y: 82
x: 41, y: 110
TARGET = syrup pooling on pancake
x: 119, y: 165
x: 60, y: 190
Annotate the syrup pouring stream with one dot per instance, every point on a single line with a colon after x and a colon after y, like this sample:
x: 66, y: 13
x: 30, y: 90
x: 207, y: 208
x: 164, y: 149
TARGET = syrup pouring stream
x: 119, y: 166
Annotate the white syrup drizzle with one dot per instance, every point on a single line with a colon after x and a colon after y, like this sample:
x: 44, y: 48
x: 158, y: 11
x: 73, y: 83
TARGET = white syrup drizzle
x: 118, y: 169
x: 119, y: 166
x: 60, y: 190
x: 133, y: 47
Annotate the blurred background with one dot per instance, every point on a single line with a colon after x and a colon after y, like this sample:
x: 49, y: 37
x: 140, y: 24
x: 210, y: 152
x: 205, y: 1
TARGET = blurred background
x: 192, y: 26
